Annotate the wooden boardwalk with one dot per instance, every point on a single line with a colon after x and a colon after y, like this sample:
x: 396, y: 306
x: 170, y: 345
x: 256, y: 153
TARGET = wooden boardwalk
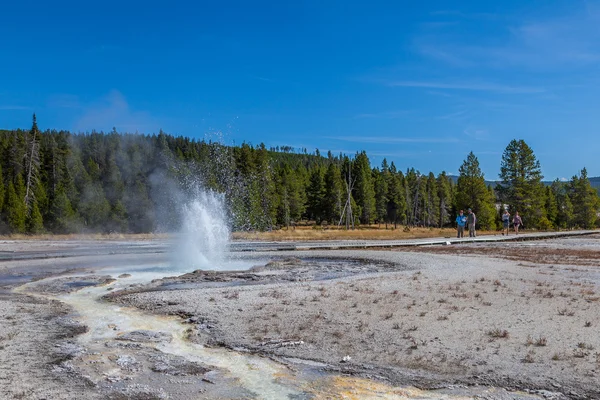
x: 365, y: 244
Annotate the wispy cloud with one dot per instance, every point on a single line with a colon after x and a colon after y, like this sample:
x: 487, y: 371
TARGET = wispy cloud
x: 476, y: 133
x: 466, y: 15
x: 113, y: 110
x: 261, y: 78
x: 533, y: 43
x: 472, y: 86
x: 458, y: 115
x: 64, y: 101
x: 384, y: 115
x: 392, y: 139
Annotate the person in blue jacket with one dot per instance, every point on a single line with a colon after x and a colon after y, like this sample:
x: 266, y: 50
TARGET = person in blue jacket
x: 461, y: 221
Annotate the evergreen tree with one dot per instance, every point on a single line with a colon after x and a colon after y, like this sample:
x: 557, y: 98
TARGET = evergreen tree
x: 585, y: 201
x: 2, y: 190
x: 16, y: 211
x: 396, y: 206
x: 364, y: 192
x: 381, y: 179
x: 291, y: 203
x: 444, y: 193
x: 432, y: 210
x: 471, y: 192
x: 34, y: 222
x: 551, y: 206
x: 412, y: 196
x: 62, y: 214
x: 521, y: 187
x: 564, y: 217
x: 315, y: 194
x: 333, y: 200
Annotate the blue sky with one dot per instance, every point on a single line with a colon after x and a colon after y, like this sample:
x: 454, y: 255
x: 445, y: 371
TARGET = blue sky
x: 420, y: 83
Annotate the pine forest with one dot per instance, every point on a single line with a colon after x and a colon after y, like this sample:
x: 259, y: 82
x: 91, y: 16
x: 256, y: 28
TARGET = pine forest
x: 60, y: 182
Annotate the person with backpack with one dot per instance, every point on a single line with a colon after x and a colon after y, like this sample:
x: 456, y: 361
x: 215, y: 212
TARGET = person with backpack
x: 461, y: 220
x: 471, y: 220
x: 505, y: 222
x: 517, y: 222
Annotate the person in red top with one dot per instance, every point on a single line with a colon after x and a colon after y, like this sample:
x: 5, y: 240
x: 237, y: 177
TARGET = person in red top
x: 517, y: 222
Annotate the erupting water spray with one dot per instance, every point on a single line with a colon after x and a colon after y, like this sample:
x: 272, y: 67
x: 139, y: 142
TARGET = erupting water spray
x: 204, y: 235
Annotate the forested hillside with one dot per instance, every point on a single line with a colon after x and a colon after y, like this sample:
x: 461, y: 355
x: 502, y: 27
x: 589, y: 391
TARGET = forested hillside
x: 59, y: 182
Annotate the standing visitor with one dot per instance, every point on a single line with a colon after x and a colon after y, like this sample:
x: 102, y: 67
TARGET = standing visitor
x: 471, y: 220
x: 505, y: 222
x: 517, y: 222
x: 461, y: 220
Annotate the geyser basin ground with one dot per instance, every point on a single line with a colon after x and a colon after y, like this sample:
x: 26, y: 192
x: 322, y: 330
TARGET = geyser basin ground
x: 430, y: 320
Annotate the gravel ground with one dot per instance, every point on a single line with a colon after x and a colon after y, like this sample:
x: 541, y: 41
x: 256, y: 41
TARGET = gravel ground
x: 30, y: 333
x: 449, y: 317
x: 429, y: 320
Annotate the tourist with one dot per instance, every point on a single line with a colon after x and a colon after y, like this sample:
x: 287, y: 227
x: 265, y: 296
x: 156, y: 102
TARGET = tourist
x: 517, y: 222
x: 505, y: 222
x: 461, y: 220
x: 471, y: 220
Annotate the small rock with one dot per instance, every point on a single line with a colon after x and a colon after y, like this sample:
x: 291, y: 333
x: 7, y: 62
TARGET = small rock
x: 346, y: 359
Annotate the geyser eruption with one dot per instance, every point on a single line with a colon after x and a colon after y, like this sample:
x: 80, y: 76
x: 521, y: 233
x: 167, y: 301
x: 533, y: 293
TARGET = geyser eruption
x: 204, y: 232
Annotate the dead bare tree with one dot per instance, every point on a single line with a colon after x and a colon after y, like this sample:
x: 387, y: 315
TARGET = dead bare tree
x: 32, y: 162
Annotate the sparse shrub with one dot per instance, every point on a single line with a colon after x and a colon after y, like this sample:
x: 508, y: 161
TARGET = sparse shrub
x: 498, y: 333
x: 529, y: 341
x: 566, y: 312
x: 528, y: 358
x: 541, y: 341
x: 580, y: 353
